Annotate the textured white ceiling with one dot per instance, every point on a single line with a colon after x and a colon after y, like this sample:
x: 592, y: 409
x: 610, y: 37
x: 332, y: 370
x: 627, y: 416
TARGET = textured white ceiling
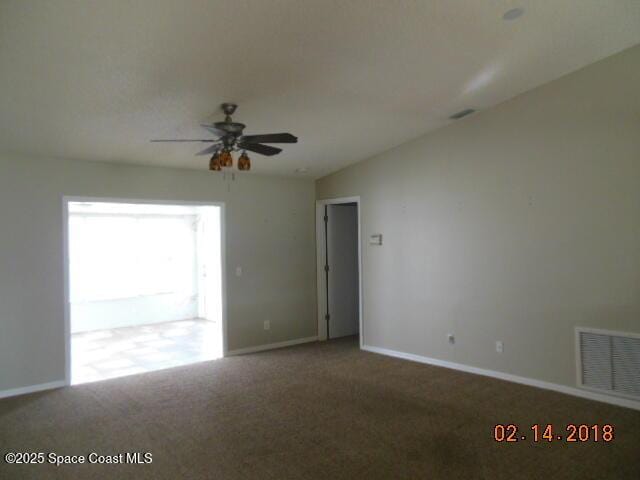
x: 96, y: 80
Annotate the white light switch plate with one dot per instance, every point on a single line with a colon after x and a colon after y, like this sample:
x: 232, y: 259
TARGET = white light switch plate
x: 238, y: 271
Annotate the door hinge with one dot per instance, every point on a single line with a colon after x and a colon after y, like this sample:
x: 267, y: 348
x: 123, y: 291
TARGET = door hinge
x: 327, y: 317
x: 326, y: 218
x: 326, y: 268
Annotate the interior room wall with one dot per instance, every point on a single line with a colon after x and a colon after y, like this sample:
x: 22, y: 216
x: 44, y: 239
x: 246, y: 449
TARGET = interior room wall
x: 270, y: 233
x: 516, y: 224
x: 129, y: 312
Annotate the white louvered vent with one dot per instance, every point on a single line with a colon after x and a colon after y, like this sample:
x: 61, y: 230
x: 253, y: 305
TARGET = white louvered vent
x: 609, y: 361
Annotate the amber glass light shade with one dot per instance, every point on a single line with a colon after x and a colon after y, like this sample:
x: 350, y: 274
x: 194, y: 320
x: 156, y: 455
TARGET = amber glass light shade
x: 244, y: 163
x: 214, y: 164
x: 226, y: 160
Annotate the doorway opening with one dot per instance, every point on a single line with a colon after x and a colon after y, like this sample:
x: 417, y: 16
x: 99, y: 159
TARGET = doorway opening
x: 339, y: 269
x: 145, y: 287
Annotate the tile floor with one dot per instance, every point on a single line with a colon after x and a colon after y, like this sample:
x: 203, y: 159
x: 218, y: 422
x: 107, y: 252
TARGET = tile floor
x: 103, y: 354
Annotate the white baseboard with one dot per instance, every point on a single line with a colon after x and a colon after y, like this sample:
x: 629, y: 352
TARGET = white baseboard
x: 272, y: 346
x: 599, y: 397
x: 32, y: 388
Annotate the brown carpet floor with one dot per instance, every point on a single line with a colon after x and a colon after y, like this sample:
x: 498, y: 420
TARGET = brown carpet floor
x: 326, y: 411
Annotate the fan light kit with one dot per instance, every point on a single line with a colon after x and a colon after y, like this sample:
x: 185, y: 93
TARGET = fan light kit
x: 231, y: 139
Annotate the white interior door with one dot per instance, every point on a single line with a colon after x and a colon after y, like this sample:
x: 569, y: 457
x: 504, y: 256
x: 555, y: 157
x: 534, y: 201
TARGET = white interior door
x: 343, y: 282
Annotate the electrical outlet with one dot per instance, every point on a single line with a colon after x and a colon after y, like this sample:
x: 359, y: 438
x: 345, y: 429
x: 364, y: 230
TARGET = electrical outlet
x: 499, y: 346
x: 267, y: 325
x: 451, y: 338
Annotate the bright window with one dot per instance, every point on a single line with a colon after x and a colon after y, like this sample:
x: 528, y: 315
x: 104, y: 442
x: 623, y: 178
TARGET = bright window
x: 136, y: 255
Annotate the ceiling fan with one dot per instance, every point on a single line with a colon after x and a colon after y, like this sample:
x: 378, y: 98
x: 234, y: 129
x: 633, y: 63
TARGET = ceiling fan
x: 231, y: 139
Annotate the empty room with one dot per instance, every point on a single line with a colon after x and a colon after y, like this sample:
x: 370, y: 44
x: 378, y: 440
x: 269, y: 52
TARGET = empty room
x: 304, y: 239
x: 144, y: 287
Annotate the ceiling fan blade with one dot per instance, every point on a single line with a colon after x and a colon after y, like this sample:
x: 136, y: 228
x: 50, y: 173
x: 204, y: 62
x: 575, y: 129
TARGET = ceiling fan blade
x: 209, y: 150
x: 213, y: 129
x: 258, y: 148
x: 270, y: 138
x: 206, y: 140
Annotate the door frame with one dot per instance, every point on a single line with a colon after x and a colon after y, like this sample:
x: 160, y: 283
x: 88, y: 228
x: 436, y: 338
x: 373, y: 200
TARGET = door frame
x: 66, y: 199
x: 320, y: 262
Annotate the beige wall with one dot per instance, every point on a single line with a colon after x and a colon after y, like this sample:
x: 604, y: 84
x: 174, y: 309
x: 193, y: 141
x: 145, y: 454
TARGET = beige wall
x: 269, y: 232
x: 516, y: 224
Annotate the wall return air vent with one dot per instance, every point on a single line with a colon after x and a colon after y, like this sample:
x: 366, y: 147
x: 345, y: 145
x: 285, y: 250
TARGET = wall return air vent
x: 609, y: 361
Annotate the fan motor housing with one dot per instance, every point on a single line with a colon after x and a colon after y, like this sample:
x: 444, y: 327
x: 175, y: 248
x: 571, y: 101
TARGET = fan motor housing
x: 234, y: 128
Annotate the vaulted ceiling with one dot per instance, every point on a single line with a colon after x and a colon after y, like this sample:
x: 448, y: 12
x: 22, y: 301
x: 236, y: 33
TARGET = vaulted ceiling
x: 96, y: 80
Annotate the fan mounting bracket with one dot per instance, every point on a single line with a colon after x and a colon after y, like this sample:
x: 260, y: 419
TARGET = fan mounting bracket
x: 229, y: 108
